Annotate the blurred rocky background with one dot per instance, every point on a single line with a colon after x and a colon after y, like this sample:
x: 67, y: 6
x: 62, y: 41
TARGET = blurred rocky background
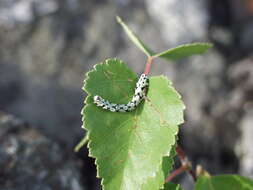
x: 46, y: 47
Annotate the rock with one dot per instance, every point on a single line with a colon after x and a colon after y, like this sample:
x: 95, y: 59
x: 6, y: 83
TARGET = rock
x: 179, y: 21
x: 30, y: 161
x: 231, y: 26
x: 9, y: 84
x: 244, y: 146
x: 24, y: 11
x: 199, y: 76
x: 241, y: 74
x: 208, y: 134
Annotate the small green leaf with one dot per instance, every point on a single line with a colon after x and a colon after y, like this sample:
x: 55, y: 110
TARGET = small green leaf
x: 129, y: 147
x: 168, y: 162
x: 184, y: 51
x: 136, y: 40
x: 224, y: 182
x: 172, y: 186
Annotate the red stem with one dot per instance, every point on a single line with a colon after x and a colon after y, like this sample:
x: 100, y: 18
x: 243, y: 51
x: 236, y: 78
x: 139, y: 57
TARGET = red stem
x: 193, y: 174
x: 185, y: 162
x: 148, y: 65
x: 180, y: 153
x: 176, y: 172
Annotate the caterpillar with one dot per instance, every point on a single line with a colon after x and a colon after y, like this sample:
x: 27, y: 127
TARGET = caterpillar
x: 140, y: 91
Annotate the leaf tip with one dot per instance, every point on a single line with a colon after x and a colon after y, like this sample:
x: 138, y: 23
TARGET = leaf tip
x: 118, y: 19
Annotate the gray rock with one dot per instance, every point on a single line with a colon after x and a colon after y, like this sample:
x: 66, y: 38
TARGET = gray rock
x: 24, y: 11
x: 30, y: 161
x: 244, y: 146
x: 179, y: 21
x: 241, y: 74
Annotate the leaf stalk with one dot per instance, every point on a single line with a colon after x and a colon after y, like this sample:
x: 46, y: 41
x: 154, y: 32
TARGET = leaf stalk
x: 148, y: 65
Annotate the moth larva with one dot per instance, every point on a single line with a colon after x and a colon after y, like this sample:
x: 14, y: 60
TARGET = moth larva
x: 140, y: 91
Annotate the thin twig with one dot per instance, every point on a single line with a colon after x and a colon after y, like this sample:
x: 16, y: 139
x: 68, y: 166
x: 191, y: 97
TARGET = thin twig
x: 185, y: 162
x: 181, y: 154
x: 176, y: 172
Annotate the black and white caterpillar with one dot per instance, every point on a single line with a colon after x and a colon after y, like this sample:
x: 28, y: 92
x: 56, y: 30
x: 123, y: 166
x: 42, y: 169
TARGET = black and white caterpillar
x: 140, y: 91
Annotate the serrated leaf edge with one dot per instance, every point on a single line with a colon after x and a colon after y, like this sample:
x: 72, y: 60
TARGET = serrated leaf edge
x: 157, y: 171
x: 87, y: 77
x: 106, y: 62
x: 169, y: 83
x: 87, y: 104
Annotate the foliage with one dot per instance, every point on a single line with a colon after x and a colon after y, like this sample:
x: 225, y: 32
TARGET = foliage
x: 179, y: 52
x: 172, y: 186
x: 135, y: 150
x: 224, y: 182
x: 129, y: 147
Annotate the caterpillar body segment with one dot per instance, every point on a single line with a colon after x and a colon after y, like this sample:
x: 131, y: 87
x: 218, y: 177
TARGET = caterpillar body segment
x: 140, y: 92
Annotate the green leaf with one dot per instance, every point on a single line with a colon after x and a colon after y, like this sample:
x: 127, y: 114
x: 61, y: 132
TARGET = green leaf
x: 166, y: 167
x: 158, y: 180
x: 184, y: 51
x: 170, y: 54
x: 168, y: 162
x: 172, y: 186
x: 129, y: 147
x: 224, y: 182
x: 136, y: 40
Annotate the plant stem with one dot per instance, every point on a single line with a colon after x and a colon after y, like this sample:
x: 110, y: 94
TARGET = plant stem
x: 181, y: 154
x: 193, y: 174
x: 176, y: 172
x: 148, y: 65
x: 81, y: 143
x: 185, y: 162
